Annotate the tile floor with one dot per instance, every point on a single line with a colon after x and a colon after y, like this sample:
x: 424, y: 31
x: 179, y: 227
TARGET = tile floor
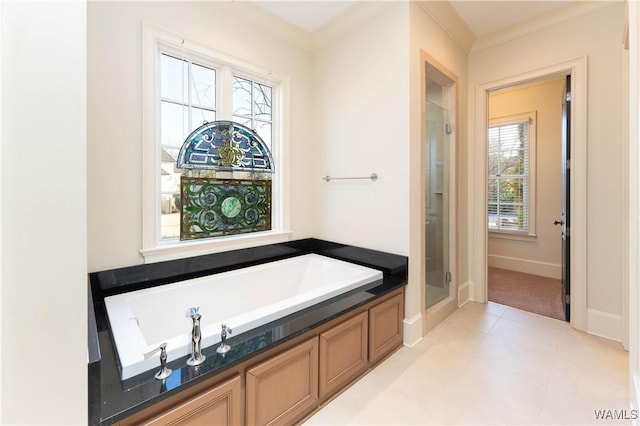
x: 490, y: 364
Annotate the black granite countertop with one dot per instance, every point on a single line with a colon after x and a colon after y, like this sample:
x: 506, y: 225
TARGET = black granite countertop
x: 112, y: 399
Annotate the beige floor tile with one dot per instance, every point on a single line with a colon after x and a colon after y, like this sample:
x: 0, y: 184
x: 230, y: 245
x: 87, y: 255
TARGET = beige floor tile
x: 594, y: 353
x: 591, y: 384
x: 490, y: 308
x: 397, y: 408
x: 479, y: 322
x: 525, y: 317
x: 533, y: 366
x: 567, y: 407
x: 534, y: 336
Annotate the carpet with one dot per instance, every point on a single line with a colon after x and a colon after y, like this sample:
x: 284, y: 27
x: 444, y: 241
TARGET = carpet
x: 531, y: 293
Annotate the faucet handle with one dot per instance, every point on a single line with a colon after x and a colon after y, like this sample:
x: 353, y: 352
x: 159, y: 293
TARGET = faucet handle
x: 192, y: 312
x: 226, y: 329
x: 152, y: 352
x: 224, y: 348
x: 164, y: 371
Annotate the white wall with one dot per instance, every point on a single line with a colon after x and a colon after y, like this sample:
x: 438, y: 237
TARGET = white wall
x: 115, y: 111
x: 361, y: 125
x: 43, y: 198
x: 599, y: 36
x: 542, y: 255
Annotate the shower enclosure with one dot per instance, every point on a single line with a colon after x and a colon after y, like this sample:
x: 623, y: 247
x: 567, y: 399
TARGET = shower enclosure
x: 438, y: 277
x: 438, y: 254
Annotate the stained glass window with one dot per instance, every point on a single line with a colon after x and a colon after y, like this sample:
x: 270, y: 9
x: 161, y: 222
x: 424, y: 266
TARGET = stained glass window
x: 218, y: 207
x: 213, y: 206
x: 225, y: 146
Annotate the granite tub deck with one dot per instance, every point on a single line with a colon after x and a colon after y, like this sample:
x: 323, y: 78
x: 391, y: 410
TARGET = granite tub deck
x: 112, y: 399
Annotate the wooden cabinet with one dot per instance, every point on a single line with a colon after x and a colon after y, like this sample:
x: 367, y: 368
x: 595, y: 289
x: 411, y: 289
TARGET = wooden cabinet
x: 385, y: 327
x: 220, y: 405
x: 343, y: 354
x: 283, y: 389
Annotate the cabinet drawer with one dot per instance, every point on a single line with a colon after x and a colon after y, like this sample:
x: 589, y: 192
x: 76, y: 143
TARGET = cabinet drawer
x: 284, y: 389
x: 219, y: 406
x: 343, y: 354
x: 385, y: 327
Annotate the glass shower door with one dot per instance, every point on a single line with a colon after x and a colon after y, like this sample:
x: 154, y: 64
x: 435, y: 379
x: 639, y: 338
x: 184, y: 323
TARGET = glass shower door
x: 437, y: 204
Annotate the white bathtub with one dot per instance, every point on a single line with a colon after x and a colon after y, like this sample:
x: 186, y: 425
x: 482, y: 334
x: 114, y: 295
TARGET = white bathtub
x: 243, y: 299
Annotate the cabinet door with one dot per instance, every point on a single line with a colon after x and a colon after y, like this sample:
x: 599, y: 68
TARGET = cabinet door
x: 385, y: 327
x: 283, y: 389
x: 218, y: 406
x: 343, y: 354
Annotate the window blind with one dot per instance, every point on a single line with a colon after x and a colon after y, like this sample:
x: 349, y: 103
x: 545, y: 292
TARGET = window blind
x: 509, y: 176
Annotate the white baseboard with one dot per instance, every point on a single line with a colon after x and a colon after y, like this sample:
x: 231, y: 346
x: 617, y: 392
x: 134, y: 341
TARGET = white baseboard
x: 412, y: 330
x: 464, y: 293
x: 604, y: 324
x: 475, y: 292
x: 543, y: 269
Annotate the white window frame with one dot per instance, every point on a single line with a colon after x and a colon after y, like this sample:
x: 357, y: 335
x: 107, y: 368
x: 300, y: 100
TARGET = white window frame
x: 154, y: 41
x: 530, y: 233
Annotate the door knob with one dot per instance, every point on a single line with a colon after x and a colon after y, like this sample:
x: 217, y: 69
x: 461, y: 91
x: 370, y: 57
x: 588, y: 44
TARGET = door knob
x: 558, y: 222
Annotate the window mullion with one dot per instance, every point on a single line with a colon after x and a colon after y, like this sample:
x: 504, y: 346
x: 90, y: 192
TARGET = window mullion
x: 253, y: 104
x: 189, y: 101
x: 226, y: 94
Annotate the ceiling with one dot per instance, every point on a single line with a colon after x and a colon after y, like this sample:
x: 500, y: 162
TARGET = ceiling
x: 482, y: 17
x: 486, y: 17
x: 309, y: 15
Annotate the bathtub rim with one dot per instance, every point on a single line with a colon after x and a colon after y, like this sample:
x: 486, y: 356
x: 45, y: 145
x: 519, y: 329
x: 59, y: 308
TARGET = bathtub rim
x: 133, y: 341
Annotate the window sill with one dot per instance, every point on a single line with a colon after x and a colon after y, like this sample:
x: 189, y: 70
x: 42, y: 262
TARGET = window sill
x: 512, y: 236
x: 176, y: 249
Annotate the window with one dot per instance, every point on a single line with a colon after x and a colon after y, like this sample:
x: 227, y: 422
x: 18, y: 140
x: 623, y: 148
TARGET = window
x: 252, y: 106
x: 184, y: 85
x: 187, y: 99
x: 511, y: 170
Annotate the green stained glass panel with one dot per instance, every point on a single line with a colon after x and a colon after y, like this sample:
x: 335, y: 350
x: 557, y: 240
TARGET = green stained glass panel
x: 218, y: 207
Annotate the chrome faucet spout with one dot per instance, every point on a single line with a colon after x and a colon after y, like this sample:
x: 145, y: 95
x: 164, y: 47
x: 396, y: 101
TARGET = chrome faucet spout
x: 196, y: 338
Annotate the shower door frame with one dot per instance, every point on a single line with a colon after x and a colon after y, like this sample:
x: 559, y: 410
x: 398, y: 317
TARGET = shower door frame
x: 434, y: 70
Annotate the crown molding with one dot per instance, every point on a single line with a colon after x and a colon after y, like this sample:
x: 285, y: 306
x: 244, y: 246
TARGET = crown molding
x: 269, y: 22
x: 553, y: 17
x: 448, y: 19
x: 343, y: 23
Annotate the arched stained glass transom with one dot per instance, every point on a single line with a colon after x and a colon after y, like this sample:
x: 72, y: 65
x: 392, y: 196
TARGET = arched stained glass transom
x: 225, y: 146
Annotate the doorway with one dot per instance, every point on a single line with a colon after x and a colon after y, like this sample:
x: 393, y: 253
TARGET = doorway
x: 525, y: 182
x: 478, y: 199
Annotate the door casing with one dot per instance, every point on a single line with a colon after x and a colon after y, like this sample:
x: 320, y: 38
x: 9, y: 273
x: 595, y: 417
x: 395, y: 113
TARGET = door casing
x: 477, y: 182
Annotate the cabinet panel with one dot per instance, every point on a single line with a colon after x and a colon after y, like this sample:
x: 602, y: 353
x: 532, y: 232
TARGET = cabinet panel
x: 385, y: 327
x: 343, y: 354
x: 218, y: 406
x: 283, y: 389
